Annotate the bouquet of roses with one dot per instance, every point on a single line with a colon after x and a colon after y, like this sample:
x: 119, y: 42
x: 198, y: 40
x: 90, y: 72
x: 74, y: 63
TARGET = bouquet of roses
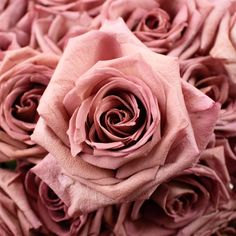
x: 118, y: 117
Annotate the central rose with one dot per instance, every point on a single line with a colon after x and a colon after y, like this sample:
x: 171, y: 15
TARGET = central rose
x: 119, y: 119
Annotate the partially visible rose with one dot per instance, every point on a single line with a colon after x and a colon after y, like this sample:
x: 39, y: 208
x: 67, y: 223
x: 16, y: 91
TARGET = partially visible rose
x: 24, y: 75
x: 10, y: 8
x: 120, y: 119
x: 16, y: 215
x: 177, y: 203
x: 208, y: 75
x: 226, y: 122
x: 51, y: 32
x: 91, y: 6
x: 8, y: 41
x: 222, y: 222
x: 53, y: 205
x: 229, y: 145
x: 15, y: 24
x: 177, y: 28
x: 51, y: 209
x: 216, y: 159
x: 225, y: 44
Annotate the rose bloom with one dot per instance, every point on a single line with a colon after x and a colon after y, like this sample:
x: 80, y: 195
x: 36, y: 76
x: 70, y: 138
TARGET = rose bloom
x: 15, y: 24
x: 91, y: 6
x: 226, y: 122
x: 225, y: 44
x: 51, y: 31
x: 177, y: 203
x: 120, y: 119
x: 208, y: 75
x: 216, y: 223
x: 24, y: 75
x: 16, y: 215
x: 178, y: 28
x: 53, y: 208
x: 229, y: 145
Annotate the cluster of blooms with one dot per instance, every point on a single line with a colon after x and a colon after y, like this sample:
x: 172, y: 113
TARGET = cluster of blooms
x: 118, y: 117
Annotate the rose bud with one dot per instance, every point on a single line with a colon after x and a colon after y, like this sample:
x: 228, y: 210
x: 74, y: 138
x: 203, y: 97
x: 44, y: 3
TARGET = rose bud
x: 120, y: 119
x: 24, y: 75
x: 16, y: 215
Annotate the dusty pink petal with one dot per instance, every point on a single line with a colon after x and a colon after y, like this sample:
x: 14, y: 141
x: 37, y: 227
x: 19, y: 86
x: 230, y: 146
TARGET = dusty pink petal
x: 11, y: 149
x: 212, y: 223
x: 17, y: 210
x: 16, y: 8
x: 91, y: 6
x: 226, y: 122
x: 70, y: 198
x: 224, y: 46
x: 79, y: 198
x: 230, y: 159
x: 198, y: 107
x: 52, y: 32
x: 216, y: 159
x: 212, y: 23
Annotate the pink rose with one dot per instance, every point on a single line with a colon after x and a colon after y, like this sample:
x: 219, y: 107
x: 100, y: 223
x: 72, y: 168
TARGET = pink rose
x: 51, y: 32
x: 230, y: 159
x: 16, y: 30
x: 54, y: 206
x: 177, y: 203
x: 91, y: 6
x: 16, y: 216
x: 226, y: 122
x: 24, y: 75
x: 178, y: 28
x: 9, y: 8
x: 225, y: 43
x: 208, y: 75
x: 120, y: 119
x: 8, y: 41
x: 215, y: 223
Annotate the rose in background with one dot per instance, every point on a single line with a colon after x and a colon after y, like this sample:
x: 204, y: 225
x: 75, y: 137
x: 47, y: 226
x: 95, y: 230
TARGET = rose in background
x: 57, y: 6
x: 16, y: 215
x: 229, y: 145
x: 179, y: 201
x: 15, y: 24
x: 177, y: 28
x: 225, y: 44
x: 24, y: 75
x: 51, y: 31
x: 53, y: 208
x: 215, y: 223
x: 121, y: 126
x: 43, y: 25
x: 208, y: 75
x: 226, y: 122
